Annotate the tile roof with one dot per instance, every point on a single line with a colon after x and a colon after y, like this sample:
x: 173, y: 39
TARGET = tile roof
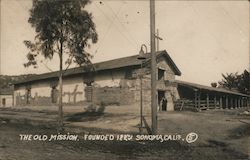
x: 6, y: 91
x: 203, y: 87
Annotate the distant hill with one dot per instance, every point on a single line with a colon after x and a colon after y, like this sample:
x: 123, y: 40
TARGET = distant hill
x: 6, y: 81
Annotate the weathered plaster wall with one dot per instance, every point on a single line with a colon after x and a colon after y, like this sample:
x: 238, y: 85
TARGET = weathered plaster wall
x: 116, y: 88
x: 167, y: 84
x: 8, y: 100
x: 113, y: 95
x: 19, y: 96
x: 169, y: 73
x: 42, y: 89
x: 113, y: 87
x: 105, y: 83
x: 73, y: 90
x: 109, y: 78
x: 41, y: 92
x: 120, y: 86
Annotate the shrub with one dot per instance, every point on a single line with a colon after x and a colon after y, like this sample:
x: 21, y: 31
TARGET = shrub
x: 94, y: 108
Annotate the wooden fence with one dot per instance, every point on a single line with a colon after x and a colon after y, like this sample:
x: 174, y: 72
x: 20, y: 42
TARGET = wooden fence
x: 185, y: 104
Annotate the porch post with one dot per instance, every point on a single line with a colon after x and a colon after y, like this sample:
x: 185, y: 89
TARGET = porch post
x: 195, y: 98
x: 215, y: 105
x: 221, y: 107
x: 231, y: 103
x: 207, y: 102
x: 239, y: 102
x: 235, y: 103
x: 243, y: 105
x: 242, y: 102
x: 199, y: 101
x: 247, y: 102
x: 226, y: 102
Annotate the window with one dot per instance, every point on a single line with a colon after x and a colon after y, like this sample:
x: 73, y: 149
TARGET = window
x: 4, y: 102
x: 161, y: 74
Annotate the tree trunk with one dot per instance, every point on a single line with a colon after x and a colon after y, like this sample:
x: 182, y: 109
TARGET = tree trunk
x: 60, y: 111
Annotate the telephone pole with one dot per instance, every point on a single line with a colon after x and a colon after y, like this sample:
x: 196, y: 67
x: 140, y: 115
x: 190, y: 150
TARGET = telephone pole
x: 153, y: 68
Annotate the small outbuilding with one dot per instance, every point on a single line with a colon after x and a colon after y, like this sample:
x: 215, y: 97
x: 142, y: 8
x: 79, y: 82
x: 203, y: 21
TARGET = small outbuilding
x: 6, y: 97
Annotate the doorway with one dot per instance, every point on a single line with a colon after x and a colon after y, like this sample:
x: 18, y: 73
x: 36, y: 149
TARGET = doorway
x: 3, y: 102
x: 162, y: 101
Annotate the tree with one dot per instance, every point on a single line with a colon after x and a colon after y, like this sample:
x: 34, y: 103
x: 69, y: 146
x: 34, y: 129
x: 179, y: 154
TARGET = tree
x: 235, y: 81
x: 62, y: 27
x: 244, y: 83
x: 230, y: 81
x: 214, y: 84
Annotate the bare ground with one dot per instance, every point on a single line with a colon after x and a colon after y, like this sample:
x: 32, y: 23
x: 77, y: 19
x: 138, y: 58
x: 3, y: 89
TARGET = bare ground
x: 223, y: 135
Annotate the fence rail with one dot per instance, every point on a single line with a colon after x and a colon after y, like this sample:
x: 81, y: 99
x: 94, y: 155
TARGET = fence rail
x: 191, y: 104
x: 198, y: 105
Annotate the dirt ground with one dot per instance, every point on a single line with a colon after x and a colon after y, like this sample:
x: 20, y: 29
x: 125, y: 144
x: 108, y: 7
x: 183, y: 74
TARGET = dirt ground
x: 223, y: 135
x: 226, y: 130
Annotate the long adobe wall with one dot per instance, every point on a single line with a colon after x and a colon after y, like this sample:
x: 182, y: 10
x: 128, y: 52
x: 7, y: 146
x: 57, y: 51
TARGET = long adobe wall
x: 104, y: 85
x: 41, y: 92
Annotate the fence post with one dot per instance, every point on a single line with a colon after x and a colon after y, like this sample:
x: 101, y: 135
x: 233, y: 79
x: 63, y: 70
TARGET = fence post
x: 207, y: 102
x: 226, y: 102
x: 199, y: 101
x: 195, y: 98
x: 215, y: 105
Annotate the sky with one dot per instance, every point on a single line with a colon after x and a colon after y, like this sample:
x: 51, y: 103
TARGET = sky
x: 204, y: 38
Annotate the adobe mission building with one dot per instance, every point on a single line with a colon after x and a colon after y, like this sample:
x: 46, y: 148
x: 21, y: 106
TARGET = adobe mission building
x: 111, y: 82
x: 119, y: 82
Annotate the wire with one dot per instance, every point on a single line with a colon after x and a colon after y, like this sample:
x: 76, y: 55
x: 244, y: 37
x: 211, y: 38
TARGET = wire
x: 212, y: 35
x: 116, y: 27
x: 108, y: 29
x: 124, y: 27
x: 234, y: 22
x: 46, y: 66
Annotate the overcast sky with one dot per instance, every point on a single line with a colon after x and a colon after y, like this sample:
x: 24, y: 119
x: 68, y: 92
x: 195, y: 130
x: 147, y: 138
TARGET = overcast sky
x: 204, y: 38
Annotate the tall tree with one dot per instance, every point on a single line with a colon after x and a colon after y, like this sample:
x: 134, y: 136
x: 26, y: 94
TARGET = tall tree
x: 244, y: 82
x: 62, y: 28
x: 235, y: 81
x: 230, y: 81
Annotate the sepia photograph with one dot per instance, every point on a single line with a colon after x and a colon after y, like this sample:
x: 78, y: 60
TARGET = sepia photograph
x: 124, y: 79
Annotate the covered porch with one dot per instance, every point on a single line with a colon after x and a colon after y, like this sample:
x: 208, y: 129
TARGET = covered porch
x: 200, y: 97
